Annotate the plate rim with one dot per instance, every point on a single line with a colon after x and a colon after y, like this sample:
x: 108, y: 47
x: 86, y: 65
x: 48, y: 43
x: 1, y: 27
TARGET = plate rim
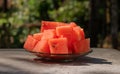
x: 85, y: 53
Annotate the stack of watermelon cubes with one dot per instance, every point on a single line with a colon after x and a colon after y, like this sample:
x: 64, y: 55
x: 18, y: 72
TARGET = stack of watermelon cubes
x: 58, y: 38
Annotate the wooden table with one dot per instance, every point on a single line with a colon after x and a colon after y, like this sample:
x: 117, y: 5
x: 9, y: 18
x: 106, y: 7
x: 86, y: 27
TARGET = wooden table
x: 100, y: 61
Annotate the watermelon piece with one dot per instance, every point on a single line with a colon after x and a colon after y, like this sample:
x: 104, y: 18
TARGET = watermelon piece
x: 87, y: 46
x: 37, y: 36
x: 58, y: 46
x: 48, y: 34
x: 82, y: 33
x: 30, y: 43
x: 68, y: 32
x: 81, y: 46
x: 42, y: 46
x: 45, y: 25
x: 79, y: 32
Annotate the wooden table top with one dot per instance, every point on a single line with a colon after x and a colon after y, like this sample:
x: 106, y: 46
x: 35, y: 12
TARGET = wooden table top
x: 100, y: 61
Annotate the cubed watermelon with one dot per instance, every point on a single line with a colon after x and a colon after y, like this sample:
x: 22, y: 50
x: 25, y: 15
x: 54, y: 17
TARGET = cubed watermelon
x: 45, y: 25
x: 79, y: 32
x: 81, y: 46
x: 30, y: 43
x: 58, y: 46
x: 82, y: 33
x: 58, y: 38
x: 37, y: 36
x: 48, y: 34
x: 42, y: 46
x: 67, y: 31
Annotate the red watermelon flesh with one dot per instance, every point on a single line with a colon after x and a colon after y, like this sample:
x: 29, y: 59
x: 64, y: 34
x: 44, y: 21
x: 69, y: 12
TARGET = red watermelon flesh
x: 82, y: 33
x: 48, y: 34
x: 45, y: 25
x: 58, y: 46
x: 42, y: 46
x: 87, y: 45
x: 67, y: 31
x: 37, y: 36
x: 79, y: 32
x: 81, y: 46
x: 30, y: 43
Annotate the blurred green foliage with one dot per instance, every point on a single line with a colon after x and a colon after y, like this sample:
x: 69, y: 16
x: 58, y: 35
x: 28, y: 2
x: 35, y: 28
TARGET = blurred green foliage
x: 30, y: 11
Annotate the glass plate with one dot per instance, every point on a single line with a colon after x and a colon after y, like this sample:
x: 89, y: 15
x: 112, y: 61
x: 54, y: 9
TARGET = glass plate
x: 60, y: 56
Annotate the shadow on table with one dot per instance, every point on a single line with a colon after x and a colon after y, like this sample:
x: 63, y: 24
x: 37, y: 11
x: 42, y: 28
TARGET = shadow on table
x: 80, y: 61
x: 77, y: 62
